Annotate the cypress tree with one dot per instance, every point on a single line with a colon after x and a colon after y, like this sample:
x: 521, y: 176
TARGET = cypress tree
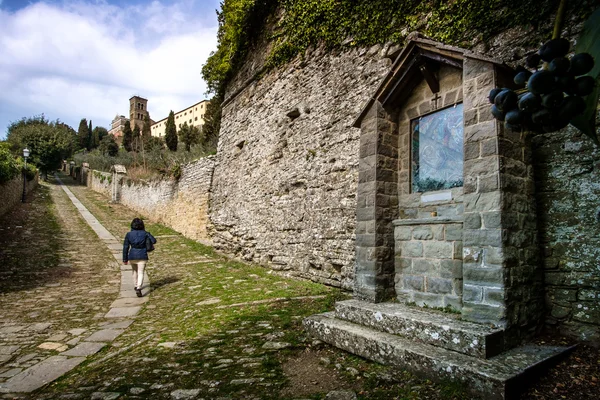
x: 82, y: 133
x: 127, y: 137
x: 137, y: 140
x: 90, y: 139
x: 171, y: 132
x: 146, y: 129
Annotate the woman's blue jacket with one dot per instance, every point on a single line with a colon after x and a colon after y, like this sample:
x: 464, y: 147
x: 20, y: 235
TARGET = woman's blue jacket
x: 134, y: 245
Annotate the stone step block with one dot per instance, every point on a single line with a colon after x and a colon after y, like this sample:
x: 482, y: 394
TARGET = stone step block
x: 501, y: 377
x: 425, y: 326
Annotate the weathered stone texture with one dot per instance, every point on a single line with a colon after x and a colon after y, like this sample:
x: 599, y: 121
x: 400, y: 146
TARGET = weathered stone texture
x: 100, y: 182
x: 567, y: 171
x: 181, y: 205
x: 285, y: 184
x: 12, y: 191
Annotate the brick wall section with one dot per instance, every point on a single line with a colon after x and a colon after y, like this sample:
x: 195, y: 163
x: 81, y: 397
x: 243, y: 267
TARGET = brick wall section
x: 181, y: 205
x: 377, y: 206
x: 11, y: 192
x: 567, y: 169
x: 284, y: 187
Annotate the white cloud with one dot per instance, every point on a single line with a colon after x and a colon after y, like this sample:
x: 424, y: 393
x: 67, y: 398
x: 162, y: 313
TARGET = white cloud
x: 85, y: 60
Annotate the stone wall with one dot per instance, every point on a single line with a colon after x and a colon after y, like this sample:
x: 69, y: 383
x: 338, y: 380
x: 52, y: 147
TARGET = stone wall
x: 100, y: 182
x: 11, y: 192
x: 179, y: 204
x: 567, y: 171
x: 287, y: 175
x: 284, y: 187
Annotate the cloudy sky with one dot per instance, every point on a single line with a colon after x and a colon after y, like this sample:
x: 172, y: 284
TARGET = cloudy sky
x: 73, y: 59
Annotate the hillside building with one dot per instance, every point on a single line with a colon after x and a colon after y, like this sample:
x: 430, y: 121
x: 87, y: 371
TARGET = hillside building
x: 193, y: 115
x: 116, y: 127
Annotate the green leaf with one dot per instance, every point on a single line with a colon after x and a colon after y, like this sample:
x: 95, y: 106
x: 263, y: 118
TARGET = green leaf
x: 589, y: 42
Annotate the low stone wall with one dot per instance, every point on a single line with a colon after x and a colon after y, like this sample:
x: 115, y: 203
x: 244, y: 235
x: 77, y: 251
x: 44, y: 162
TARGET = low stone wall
x: 179, y: 204
x: 100, y: 182
x: 12, y: 191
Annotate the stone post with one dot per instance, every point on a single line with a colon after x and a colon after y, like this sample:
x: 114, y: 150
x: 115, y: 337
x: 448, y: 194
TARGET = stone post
x: 377, y: 206
x: 118, y: 171
x: 501, y: 284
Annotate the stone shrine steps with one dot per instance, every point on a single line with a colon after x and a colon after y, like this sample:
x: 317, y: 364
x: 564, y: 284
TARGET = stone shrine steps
x: 425, y: 326
x: 423, y: 342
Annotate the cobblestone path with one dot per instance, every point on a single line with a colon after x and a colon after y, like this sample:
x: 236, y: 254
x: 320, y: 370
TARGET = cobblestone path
x: 209, y: 327
x: 56, y: 285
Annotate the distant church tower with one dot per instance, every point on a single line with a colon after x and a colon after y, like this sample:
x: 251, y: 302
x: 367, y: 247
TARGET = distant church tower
x: 138, y: 110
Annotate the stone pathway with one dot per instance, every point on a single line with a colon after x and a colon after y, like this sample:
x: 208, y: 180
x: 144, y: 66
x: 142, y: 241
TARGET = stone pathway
x: 28, y: 372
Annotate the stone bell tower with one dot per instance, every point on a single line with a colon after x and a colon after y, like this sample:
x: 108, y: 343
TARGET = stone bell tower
x: 138, y: 110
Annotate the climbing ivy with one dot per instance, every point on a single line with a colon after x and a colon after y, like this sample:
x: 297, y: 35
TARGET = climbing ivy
x: 349, y: 23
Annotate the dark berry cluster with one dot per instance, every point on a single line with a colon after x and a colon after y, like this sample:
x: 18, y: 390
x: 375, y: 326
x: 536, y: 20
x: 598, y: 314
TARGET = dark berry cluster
x: 550, y: 96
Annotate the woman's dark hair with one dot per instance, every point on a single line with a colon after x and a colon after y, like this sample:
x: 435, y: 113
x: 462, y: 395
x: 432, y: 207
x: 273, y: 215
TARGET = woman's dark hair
x: 137, y: 224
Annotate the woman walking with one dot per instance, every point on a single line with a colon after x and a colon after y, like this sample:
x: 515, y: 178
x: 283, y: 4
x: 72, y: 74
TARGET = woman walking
x: 135, y: 251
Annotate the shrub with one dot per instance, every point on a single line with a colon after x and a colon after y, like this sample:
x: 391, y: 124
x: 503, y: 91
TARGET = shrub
x: 9, y: 167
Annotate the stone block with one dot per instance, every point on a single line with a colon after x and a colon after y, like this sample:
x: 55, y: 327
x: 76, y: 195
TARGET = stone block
x: 494, y: 296
x: 470, y: 118
x: 472, y: 293
x: 412, y: 249
x: 488, y: 183
x: 482, y: 202
x: 560, y: 312
x: 458, y: 250
x: 422, y: 233
x: 435, y: 249
x: 481, y: 166
x: 413, y: 282
x: 496, y: 378
x: 484, y: 276
x: 563, y: 296
x: 403, y: 265
x: 482, y: 313
x: 454, y: 232
x: 450, y: 97
x: 438, y: 232
x: 438, y: 285
x: 451, y: 269
x: 425, y: 266
x: 472, y: 220
x: 588, y: 294
x: 483, y: 237
x: 492, y: 219
x: 481, y: 131
x: 485, y: 112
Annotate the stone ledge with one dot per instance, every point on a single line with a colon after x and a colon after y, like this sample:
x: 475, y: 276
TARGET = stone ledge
x: 427, y: 221
x: 501, y: 377
x: 425, y: 326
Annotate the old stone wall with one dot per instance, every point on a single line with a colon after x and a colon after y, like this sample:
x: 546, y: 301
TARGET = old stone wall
x: 12, y: 191
x: 179, y: 204
x: 287, y: 175
x: 284, y: 187
x: 567, y: 172
x: 100, y: 182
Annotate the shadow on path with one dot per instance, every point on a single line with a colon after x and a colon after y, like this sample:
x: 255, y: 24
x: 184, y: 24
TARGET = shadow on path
x: 30, y: 244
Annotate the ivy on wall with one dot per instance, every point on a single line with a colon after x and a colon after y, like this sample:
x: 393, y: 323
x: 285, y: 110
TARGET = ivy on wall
x: 350, y: 23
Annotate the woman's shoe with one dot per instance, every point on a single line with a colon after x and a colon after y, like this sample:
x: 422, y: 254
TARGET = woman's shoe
x: 138, y: 292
